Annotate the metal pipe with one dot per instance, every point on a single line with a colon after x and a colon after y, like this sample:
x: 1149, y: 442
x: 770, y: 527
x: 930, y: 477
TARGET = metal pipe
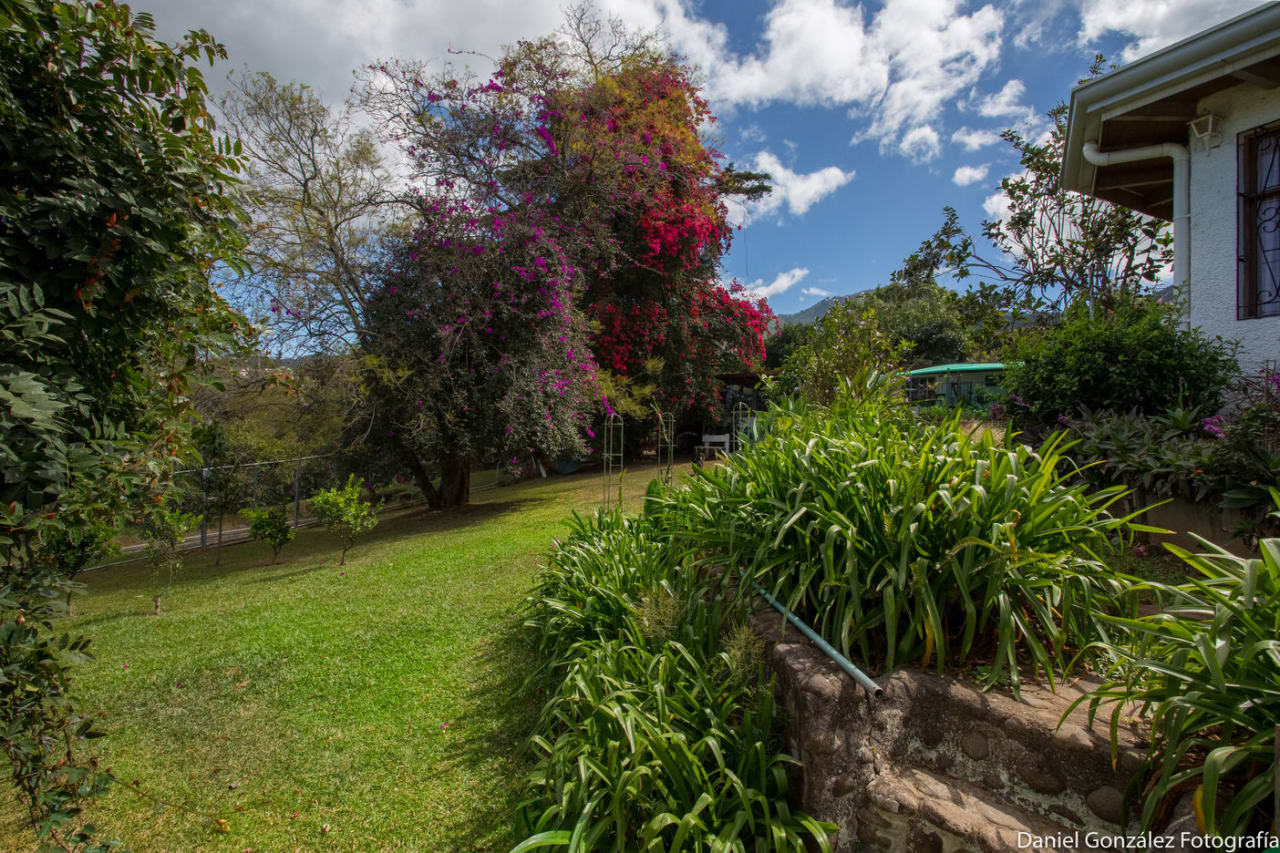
x: 829, y: 650
x: 1181, y: 196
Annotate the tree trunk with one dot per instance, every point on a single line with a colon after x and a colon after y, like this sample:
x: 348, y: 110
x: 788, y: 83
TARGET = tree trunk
x: 156, y: 611
x: 422, y: 477
x: 455, y: 481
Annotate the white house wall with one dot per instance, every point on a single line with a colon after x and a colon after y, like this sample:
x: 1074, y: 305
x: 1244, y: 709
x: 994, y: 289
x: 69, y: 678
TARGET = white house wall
x: 1213, y: 226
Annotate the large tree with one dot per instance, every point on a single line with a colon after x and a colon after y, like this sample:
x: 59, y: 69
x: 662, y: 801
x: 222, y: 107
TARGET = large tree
x: 481, y: 353
x: 604, y: 131
x: 320, y: 197
x: 118, y: 206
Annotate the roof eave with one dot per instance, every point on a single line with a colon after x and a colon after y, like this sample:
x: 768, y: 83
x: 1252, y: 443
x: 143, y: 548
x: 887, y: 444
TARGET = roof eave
x: 1214, y: 53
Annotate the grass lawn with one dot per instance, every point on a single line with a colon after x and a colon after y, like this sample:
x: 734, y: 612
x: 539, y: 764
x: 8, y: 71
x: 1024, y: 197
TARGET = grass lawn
x: 374, y: 707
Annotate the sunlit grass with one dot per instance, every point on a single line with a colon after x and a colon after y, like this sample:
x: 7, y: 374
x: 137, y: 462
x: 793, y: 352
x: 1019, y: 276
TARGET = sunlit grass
x: 376, y: 706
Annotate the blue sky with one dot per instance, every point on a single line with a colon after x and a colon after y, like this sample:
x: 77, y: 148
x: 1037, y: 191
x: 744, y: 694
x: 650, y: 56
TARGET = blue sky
x: 871, y: 116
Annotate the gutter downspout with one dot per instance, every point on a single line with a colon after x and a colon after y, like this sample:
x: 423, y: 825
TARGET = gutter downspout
x: 1181, y: 199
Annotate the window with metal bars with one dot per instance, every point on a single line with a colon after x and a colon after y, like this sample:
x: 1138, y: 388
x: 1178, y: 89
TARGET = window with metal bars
x: 1258, y: 260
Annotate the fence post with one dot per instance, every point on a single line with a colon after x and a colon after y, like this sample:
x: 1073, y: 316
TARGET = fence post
x: 204, y: 508
x: 297, y: 492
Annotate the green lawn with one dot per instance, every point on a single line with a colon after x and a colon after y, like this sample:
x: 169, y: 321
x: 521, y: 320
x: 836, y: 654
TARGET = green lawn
x: 374, y: 707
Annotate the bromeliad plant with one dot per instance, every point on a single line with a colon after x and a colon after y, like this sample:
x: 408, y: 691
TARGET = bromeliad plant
x: 1208, y: 667
x: 909, y: 542
x: 658, y: 731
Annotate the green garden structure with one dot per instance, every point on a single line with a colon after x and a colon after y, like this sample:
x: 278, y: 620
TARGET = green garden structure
x: 953, y: 383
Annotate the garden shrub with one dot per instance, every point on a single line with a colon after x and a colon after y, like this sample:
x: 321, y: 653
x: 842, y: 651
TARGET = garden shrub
x: 1208, y: 665
x: 343, y: 511
x: 1159, y: 457
x: 657, y: 734
x: 1232, y: 459
x: 118, y: 202
x: 1136, y: 357
x: 270, y: 526
x: 909, y: 542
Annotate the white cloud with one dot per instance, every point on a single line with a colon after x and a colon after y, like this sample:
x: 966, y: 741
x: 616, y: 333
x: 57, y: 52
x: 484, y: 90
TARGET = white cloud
x: 896, y: 69
x: 997, y: 205
x: 752, y: 133
x: 920, y: 144
x: 972, y: 140
x: 1006, y: 103
x: 966, y: 175
x: 797, y: 191
x: 784, y: 282
x: 1153, y: 24
x: 933, y: 53
x: 816, y: 291
x: 320, y: 42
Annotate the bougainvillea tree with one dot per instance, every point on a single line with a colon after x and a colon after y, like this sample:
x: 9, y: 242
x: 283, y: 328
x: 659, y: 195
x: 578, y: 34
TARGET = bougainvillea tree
x: 603, y: 150
x: 660, y: 314
x: 482, y: 351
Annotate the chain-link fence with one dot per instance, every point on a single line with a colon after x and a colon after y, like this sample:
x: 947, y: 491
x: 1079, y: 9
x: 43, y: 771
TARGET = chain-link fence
x: 219, y: 495
x: 221, y: 492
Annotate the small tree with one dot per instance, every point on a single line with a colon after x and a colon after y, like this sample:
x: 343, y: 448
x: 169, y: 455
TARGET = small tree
x: 343, y: 512
x: 846, y: 349
x: 163, y: 530
x: 270, y: 526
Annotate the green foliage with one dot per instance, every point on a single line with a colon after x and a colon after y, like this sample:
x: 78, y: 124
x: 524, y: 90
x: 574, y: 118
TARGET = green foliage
x: 117, y: 204
x: 779, y: 347
x: 844, y: 351
x: 1162, y: 456
x: 926, y: 318
x: 1208, y: 665
x: 1247, y: 458
x: 270, y: 526
x: 1139, y: 356
x: 651, y: 739
x: 1057, y: 247
x: 345, y: 513
x: 902, y: 542
x: 163, y: 529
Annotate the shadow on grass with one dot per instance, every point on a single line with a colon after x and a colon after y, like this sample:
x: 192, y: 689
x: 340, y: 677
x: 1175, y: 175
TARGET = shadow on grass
x: 504, y: 709
x: 314, y: 548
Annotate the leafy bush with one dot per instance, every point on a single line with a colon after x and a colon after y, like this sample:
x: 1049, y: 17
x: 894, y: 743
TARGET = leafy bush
x: 902, y: 541
x: 656, y: 735
x: 1208, y: 665
x: 1233, y: 459
x: 344, y: 513
x: 270, y: 526
x: 1139, y: 356
x: 117, y: 204
x: 844, y: 349
x: 1247, y: 457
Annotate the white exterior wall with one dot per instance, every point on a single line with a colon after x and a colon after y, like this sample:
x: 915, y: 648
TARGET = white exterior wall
x: 1213, y: 226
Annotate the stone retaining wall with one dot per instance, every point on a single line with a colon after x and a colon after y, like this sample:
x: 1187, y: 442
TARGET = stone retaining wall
x: 937, y: 764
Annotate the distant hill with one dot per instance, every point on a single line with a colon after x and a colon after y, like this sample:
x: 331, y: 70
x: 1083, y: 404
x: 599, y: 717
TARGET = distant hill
x: 813, y: 312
